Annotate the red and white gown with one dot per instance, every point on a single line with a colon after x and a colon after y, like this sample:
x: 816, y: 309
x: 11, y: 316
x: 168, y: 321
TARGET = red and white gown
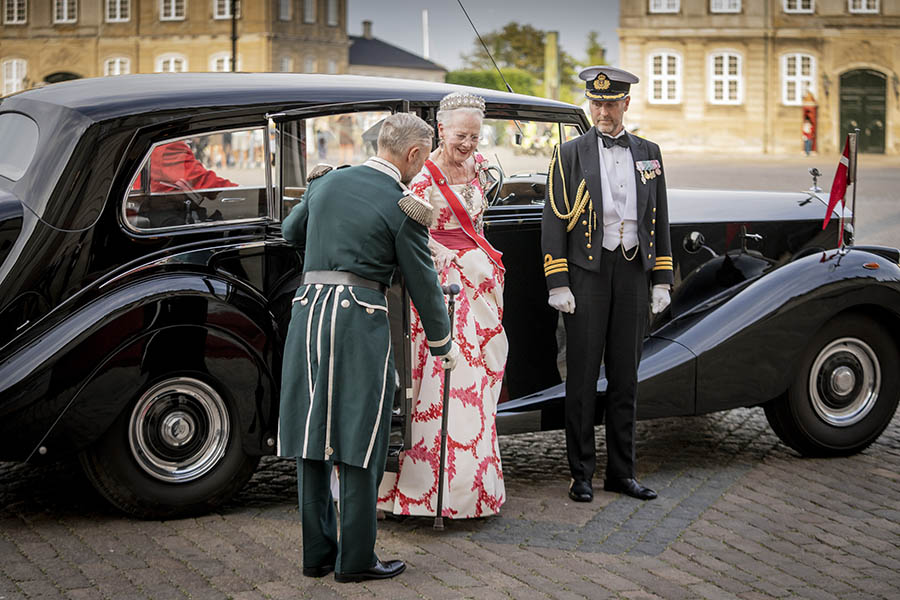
x: 473, y: 479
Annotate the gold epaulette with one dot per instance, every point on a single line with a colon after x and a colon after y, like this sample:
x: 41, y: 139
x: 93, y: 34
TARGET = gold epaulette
x: 552, y: 266
x: 317, y: 171
x: 663, y: 263
x: 415, y: 208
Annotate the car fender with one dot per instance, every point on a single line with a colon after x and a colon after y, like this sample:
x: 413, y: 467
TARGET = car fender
x: 69, y: 384
x: 748, y: 343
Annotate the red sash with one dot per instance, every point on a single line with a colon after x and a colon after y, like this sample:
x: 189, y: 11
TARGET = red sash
x: 462, y: 216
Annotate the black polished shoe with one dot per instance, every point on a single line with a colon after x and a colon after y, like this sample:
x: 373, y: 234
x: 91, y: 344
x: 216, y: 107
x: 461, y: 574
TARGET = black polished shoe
x: 321, y: 571
x: 580, y: 490
x: 629, y: 487
x: 381, y: 570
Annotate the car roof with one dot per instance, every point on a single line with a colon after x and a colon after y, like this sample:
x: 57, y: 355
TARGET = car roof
x: 104, y: 98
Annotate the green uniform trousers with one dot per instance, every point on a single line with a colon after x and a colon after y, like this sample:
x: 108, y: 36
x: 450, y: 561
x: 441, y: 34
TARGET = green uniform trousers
x: 354, y: 550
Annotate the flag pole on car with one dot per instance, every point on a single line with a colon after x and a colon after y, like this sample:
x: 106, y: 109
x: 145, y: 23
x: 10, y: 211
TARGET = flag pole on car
x: 843, y: 176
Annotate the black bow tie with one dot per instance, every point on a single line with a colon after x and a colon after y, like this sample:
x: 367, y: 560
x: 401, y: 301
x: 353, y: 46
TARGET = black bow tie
x: 609, y: 142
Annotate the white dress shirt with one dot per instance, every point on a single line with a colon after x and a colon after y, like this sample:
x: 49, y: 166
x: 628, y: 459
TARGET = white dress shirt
x: 619, y: 196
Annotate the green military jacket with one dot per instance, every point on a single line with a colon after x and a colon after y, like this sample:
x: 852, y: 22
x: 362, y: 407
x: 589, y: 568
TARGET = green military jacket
x: 572, y: 223
x: 338, y: 377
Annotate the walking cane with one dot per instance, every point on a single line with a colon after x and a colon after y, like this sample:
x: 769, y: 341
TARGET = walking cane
x: 451, y: 290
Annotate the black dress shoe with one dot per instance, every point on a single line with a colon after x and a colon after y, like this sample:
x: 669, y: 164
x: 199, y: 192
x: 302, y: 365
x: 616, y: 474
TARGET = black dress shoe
x: 629, y: 487
x: 580, y: 490
x: 381, y: 570
x: 321, y: 571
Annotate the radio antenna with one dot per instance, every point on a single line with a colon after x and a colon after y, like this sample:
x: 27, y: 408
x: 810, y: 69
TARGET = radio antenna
x: 465, y: 12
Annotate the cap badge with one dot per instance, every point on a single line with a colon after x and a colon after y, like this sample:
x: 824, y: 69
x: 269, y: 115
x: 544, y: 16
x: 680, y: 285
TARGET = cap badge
x: 602, y: 82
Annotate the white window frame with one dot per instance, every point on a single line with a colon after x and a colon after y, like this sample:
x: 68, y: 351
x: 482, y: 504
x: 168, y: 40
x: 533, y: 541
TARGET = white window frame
x: 121, y: 8
x: 13, y: 72
x: 725, y: 78
x: 865, y: 9
x: 168, y: 10
x: 222, y: 9
x: 797, y: 78
x: 664, y: 78
x: 285, y: 10
x: 798, y: 8
x: 663, y: 6
x: 331, y: 67
x: 310, y: 64
x: 69, y: 12
x: 309, y: 11
x: 171, y: 56
x: 226, y: 56
x: 724, y: 6
x: 116, y: 65
x: 15, y: 12
x: 286, y: 64
x: 334, y: 13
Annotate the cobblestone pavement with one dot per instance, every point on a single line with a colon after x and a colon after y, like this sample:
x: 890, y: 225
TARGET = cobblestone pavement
x: 739, y: 514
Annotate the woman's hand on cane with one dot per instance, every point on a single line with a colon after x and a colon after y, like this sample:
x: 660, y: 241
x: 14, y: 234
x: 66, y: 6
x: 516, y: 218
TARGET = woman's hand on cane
x: 448, y: 361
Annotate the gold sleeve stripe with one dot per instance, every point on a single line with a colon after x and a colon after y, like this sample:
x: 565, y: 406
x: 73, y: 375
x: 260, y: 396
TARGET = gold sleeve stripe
x: 663, y: 268
x: 555, y: 267
x: 554, y: 262
x: 556, y: 270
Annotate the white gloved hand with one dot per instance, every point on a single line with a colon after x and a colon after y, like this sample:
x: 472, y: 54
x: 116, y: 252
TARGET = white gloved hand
x: 561, y: 299
x: 659, y: 299
x: 448, y: 361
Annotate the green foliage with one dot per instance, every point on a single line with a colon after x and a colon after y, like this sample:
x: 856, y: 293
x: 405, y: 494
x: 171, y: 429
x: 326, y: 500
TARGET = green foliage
x: 521, y: 81
x: 596, y: 53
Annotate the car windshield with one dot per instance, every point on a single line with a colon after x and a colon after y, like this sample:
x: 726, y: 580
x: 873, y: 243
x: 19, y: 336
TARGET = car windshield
x: 20, y: 137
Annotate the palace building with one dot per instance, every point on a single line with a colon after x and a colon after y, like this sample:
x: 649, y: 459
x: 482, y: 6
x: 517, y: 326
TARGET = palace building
x: 44, y: 41
x: 740, y: 75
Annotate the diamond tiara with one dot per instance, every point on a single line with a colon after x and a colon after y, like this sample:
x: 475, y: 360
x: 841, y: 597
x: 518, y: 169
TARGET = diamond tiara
x: 462, y: 100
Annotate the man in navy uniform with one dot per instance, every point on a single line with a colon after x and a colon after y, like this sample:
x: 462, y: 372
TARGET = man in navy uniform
x: 358, y: 225
x: 605, y: 239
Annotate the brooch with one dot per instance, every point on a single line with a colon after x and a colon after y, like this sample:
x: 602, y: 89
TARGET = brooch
x: 648, y: 169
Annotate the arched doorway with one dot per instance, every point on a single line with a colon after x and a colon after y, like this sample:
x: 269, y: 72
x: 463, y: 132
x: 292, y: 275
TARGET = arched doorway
x: 60, y: 76
x: 863, y: 100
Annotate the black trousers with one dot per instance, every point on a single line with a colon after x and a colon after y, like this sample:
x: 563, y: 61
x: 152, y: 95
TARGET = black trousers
x: 610, y: 318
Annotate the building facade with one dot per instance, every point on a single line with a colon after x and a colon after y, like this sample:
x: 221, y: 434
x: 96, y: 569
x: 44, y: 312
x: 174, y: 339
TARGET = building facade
x: 372, y: 56
x: 44, y: 41
x: 740, y: 75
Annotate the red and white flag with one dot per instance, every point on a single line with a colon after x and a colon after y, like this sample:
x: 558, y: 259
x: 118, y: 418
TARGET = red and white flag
x: 839, y: 186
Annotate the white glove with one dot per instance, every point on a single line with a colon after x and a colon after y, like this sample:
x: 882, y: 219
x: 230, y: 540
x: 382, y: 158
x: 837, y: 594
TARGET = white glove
x: 659, y: 299
x: 449, y: 360
x: 442, y: 255
x: 561, y: 299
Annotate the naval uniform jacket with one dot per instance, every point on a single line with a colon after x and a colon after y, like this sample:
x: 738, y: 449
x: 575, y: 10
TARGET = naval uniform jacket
x: 338, y: 377
x: 582, y: 244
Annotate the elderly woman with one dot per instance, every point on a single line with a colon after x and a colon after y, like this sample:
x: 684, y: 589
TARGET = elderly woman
x: 453, y: 182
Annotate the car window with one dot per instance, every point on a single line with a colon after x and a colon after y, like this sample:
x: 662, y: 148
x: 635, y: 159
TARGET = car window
x: 200, y: 180
x: 20, y: 137
x: 339, y: 139
x: 523, y: 150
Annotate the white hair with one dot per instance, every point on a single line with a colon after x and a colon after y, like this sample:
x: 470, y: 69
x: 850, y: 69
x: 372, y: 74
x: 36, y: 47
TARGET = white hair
x: 444, y: 115
x: 401, y: 131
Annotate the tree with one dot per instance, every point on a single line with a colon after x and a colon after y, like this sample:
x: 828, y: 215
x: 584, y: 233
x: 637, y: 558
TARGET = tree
x: 518, y: 47
x: 521, y: 81
x: 596, y: 53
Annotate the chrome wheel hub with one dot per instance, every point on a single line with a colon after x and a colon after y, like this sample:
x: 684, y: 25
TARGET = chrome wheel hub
x: 179, y: 430
x: 844, y: 381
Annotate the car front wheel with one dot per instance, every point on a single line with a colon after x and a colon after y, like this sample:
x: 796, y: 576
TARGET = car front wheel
x: 175, y: 451
x: 845, y: 392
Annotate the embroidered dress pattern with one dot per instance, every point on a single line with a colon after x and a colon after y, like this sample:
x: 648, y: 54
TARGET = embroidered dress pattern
x: 473, y: 478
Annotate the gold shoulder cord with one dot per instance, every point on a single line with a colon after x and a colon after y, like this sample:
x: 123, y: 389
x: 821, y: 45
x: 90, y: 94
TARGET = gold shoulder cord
x: 582, y: 197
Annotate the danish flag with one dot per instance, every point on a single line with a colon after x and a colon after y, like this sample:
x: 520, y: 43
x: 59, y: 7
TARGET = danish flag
x: 839, y: 188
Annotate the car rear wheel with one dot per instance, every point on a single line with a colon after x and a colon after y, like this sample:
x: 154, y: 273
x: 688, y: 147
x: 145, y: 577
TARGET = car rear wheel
x: 176, y: 451
x: 845, y: 392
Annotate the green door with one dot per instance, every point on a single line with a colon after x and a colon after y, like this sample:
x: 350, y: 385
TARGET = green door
x: 863, y: 106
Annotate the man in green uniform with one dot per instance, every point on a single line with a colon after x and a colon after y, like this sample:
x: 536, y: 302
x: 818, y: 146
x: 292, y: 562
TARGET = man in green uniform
x: 358, y: 225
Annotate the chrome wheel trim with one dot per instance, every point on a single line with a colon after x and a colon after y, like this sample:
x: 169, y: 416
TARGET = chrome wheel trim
x: 179, y: 430
x: 844, y: 381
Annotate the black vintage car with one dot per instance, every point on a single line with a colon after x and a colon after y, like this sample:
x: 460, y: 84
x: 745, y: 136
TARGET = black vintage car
x: 145, y: 287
